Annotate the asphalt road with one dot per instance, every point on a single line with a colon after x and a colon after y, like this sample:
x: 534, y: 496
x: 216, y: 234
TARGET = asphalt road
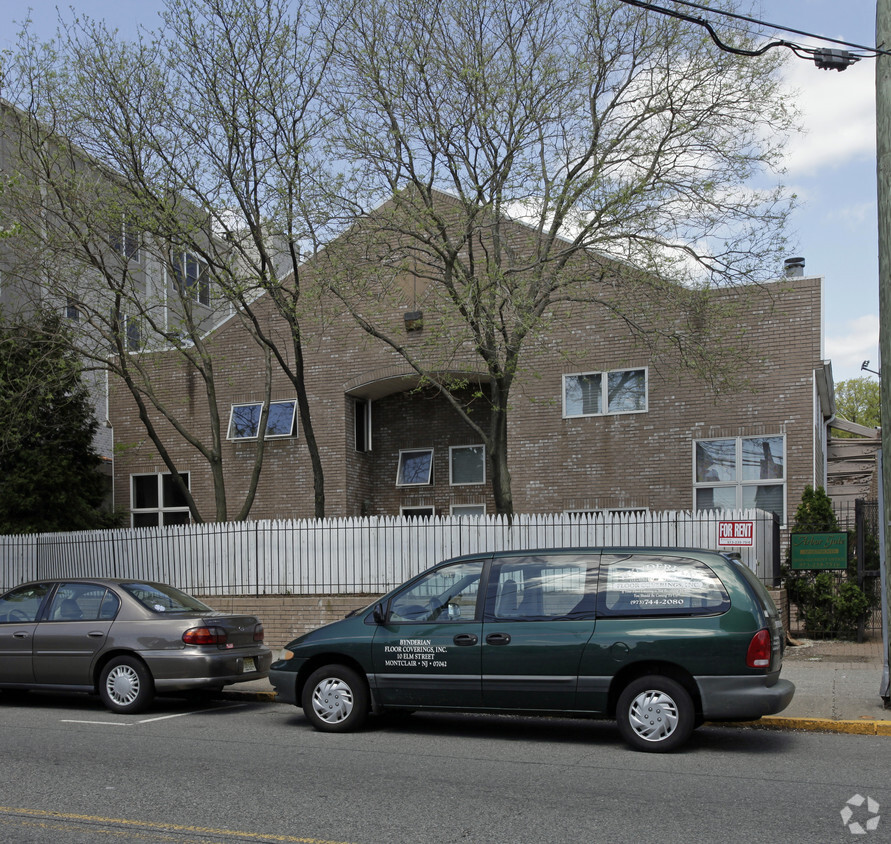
x: 222, y: 771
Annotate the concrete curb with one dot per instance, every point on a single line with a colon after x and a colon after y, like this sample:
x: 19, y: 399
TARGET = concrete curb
x: 864, y: 727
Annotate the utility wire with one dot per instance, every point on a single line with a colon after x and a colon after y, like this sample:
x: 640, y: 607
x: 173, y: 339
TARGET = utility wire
x: 824, y: 58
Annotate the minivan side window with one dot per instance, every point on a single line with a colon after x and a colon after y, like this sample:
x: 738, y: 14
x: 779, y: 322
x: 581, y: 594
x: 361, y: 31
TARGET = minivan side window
x: 448, y: 593
x: 653, y: 585
x: 540, y: 588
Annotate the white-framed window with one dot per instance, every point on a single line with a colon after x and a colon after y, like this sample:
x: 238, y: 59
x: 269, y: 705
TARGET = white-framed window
x: 190, y: 274
x: 468, y: 509
x: 156, y: 500
x: 130, y: 329
x: 126, y: 240
x: 741, y: 473
x: 244, y: 420
x: 415, y: 467
x: 467, y: 465
x: 362, y: 424
x: 602, y: 393
x: 419, y: 512
x: 72, y: 309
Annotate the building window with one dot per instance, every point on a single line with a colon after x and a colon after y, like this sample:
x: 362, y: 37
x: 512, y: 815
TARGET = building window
x: 467, y: 465
x: 415, y: 467
x: 468, y: 510
x: 416, y: 512
x: 72, y: 309
x: 244, y: 420
x: 156, y: 501
x: 130, y: 331
x: 600, y: 393
x: 741, y: 473
x: 191, y: 278
x: 126, y: 241
x: 362, y: 424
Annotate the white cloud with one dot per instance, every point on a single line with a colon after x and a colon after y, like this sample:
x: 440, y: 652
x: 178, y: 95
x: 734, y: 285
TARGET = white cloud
x: 838, y: 114
x: 851, y: 343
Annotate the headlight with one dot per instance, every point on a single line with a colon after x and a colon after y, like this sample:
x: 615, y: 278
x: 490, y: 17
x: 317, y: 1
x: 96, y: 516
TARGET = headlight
x: 285, y: 654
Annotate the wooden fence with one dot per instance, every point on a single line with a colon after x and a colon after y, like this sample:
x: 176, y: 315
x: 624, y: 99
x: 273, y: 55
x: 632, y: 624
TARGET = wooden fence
x: 368, y: 555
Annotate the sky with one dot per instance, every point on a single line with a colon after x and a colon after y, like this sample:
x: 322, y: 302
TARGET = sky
x: 831, y: 166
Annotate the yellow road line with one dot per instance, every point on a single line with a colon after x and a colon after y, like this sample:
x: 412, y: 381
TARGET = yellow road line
x: 49, y: 818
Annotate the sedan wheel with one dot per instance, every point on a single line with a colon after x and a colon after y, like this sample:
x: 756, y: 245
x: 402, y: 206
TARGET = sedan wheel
x: 335, y: 699
x: 126, y: 685
x: 655, y: 714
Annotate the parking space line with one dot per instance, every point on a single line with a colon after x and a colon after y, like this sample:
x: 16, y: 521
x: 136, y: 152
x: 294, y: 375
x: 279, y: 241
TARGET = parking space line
x: 151, y: 720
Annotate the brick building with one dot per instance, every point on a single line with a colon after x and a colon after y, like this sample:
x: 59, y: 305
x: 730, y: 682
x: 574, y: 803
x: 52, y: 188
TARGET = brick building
x: 596, y: 422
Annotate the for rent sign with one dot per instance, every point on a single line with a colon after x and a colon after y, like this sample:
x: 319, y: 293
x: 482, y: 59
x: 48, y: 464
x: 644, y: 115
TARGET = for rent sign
x: 819, y: 550
x: 736, y: 534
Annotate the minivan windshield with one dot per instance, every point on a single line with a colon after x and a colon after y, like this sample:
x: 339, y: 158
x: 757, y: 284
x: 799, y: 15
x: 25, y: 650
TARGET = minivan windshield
x: 164, y: 599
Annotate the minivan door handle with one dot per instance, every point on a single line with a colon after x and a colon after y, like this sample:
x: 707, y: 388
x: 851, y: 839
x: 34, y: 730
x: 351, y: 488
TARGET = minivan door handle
x: 498, y: 639
x: 465, y: 639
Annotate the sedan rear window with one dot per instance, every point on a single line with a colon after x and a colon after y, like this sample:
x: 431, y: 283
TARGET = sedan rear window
x: 643, y: 585
x: 164, y: 599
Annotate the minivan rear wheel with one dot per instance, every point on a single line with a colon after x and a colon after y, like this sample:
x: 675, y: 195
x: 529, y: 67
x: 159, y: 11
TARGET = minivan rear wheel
x: 335, y: 699
x: 655, y: 714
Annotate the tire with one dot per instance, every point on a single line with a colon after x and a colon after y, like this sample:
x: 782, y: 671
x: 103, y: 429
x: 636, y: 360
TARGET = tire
x: 126, y: 685
x: 335, y: 699
x: 655, y: 714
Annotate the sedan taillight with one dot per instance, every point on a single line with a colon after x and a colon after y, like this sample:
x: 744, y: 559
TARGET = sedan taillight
x: 758, y: 655
x: 205, y: 636
x: 258, y: 633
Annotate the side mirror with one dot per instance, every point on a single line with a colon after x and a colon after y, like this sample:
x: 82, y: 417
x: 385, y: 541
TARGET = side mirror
x: 378, y: 614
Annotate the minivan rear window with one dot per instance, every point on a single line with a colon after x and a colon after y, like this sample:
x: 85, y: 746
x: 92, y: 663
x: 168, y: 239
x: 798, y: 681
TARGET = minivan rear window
x: 654, y: 585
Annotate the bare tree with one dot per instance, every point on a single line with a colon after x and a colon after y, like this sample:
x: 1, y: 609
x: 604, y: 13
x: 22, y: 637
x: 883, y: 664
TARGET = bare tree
x: 212, y: 128
x: 540, y: 156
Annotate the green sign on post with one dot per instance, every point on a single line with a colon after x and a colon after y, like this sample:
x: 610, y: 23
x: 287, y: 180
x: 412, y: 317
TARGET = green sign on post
x: 819, y: 550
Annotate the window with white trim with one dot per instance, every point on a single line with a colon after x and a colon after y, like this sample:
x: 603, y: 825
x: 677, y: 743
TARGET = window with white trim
x: 602, y: 393
x: 126, y: 240
x: 244, y: 420
x: 741, y: 473
x: 157, y: 501
x: 190, y: 274
x: 468, y: 510
x: 420, y: 512
x: 362, y: 424
x: 467, y: 465
x: 415, y: 467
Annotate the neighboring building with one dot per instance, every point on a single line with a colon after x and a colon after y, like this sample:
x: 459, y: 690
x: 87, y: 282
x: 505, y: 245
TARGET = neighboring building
x: 155, y: 283
x: 594, y: 425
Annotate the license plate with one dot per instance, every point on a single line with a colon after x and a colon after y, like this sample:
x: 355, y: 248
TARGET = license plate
x: 249, y: 665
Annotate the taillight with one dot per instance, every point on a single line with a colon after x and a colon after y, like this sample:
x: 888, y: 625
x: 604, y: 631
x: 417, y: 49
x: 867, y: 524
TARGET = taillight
x: 258, y: 633
x: 758, y: 655
x: 205, y: 636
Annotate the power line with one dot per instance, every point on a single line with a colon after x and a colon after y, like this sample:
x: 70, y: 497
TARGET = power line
x: 824, y: 58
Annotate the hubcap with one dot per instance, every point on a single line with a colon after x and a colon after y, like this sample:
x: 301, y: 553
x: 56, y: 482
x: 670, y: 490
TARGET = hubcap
x: 122, y: 685
x: 653, y: 715
x: 332, y: 700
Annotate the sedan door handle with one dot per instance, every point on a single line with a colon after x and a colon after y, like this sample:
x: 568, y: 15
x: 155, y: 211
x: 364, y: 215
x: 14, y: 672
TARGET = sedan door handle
x: 21, y: 634
x: 95, y: 634
x: 498, y: 639
x: 465, y: 639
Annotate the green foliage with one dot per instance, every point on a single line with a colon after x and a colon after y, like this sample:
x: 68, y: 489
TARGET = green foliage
x: 859, y: 400
x: 829, y: 605
x: 49, y: 478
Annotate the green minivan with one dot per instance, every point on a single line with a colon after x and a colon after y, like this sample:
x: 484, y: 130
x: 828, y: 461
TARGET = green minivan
x: 661, y: 639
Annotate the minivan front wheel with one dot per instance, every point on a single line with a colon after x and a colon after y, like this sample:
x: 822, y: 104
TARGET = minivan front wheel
x: 335, y: 699
x: 655, y: 714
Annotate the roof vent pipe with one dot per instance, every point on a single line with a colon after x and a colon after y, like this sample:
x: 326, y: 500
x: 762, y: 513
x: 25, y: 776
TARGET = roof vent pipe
x: 793, y: 267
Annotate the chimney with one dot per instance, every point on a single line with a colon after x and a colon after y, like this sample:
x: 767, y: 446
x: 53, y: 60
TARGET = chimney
x: 793, y: 267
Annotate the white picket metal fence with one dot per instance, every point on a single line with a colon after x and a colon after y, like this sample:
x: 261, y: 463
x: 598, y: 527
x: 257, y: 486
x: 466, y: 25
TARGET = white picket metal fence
x: 355, y: 555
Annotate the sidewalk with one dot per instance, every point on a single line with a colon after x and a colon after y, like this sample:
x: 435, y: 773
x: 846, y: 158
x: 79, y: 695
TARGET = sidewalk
x: 836, y: 689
